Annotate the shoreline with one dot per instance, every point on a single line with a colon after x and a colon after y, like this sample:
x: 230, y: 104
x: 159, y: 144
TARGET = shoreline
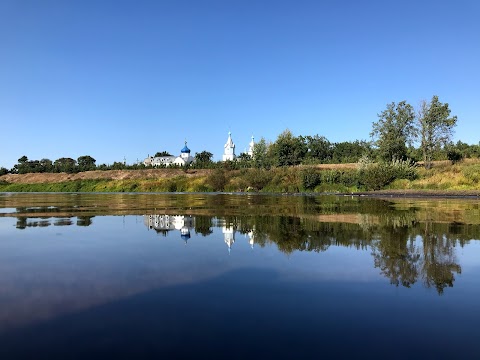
x: 405, y: 194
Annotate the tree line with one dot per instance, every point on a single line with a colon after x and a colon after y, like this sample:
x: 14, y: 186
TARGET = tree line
x: 398, y: 128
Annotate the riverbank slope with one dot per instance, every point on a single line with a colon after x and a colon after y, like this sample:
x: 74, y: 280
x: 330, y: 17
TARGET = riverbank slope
x: 461, y: 179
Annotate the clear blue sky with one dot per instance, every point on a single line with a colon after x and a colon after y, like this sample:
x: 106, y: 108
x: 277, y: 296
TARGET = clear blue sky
x: 128, y: 78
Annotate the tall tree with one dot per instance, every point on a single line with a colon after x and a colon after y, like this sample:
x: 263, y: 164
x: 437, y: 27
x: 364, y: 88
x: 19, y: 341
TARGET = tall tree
x: 435, y: 127
x: 86, y: 162
x: 203, y: 159
x: 46, y: 164
x: 288, y: 149
x: 319, y: 148
x: 349, y: 152
x: 393, y: 130
x: 261, y: 154
x: 67, y: 165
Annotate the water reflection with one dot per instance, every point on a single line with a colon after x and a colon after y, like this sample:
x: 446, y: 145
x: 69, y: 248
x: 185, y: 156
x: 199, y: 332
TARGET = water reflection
x: 410, y: 242
x: 286, y: 267
x: 404, y: 249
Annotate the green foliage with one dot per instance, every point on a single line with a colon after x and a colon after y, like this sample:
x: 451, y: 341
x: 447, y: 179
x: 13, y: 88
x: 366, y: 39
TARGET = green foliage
x: 203, y: 160
x: 454, y: 155
x: 435, y: 127
x: 86, y: 163
x: 244, y: 161
x: 23, y: 159
x: 262, y: 158
x: 288, y: 150
x: 319, y: 148
x: 3, y: 171
x: 258, y: 178
x: 162, y: 153
x: 348, y: 178
x: 467, y: 150
x: 350, y: 152
x: 472, y: 173
x: 310, y: 178
x: 229, y: 165
x: 67, y: 165
x: 217, y: 180
x: 375, y: 176
x: 393, y: 130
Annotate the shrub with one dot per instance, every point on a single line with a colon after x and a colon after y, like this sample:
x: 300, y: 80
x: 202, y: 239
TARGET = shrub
x: 217, y: 180
x: 472, y: 173
x: 375, y: 176
x: 310, y: 178
x: 258, y: 178
x: 454, y: 156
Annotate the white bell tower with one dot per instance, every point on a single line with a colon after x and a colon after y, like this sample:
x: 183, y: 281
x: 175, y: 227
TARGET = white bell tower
x: 251, y: 145
x: 229, y: 152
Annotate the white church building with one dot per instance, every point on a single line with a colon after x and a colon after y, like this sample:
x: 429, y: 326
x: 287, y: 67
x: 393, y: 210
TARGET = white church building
x: 183, y: 159
x: 229, y: 149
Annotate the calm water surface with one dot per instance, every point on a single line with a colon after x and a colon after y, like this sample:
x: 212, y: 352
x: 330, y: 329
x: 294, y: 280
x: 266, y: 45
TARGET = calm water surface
x: 237, y: 276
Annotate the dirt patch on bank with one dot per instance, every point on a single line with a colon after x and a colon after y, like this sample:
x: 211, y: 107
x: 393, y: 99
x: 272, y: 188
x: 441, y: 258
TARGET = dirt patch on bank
x: 100, y: 175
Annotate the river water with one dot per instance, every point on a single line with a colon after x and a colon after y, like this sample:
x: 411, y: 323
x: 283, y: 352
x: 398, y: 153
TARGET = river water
x: 237, y: 276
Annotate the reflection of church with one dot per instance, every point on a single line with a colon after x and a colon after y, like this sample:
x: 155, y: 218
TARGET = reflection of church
x: 229, y: 230
x: 228, y: 236
x: 165, y: 223
x: 184, y: 223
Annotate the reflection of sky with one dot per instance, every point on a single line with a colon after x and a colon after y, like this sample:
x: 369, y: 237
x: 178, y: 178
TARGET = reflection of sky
x: 53, y: 270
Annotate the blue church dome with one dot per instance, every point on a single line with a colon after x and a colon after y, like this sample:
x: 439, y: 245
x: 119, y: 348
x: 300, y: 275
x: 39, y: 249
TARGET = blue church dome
x: 185, y: 149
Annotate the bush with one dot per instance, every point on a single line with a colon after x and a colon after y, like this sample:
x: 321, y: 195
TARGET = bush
x: 258, y: 178
x: 310, y: 178
x: 3, y: 171
x: 454, y: 156
x: 217, y: 180
x: 375, y: 176
x: 472, y: 173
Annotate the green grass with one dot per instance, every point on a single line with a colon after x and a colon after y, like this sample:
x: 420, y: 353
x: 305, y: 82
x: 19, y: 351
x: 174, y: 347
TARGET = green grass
x: 444, y: 176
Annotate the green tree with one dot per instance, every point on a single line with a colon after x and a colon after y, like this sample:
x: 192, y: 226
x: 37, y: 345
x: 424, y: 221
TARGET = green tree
x: 288, y: 150
x: 350, y: 152
x: 435, y: 127
x: 118, y: 165
x: 86, y: 163
x: 244, y: 160
x: 3, y: 171
x: 261, y: 155
x: 203, y: 159
x: 47, y: 165
x: 67, y: 165
x: 319, y: 148
x: 162, y: 153
x: 394, y: 130
x: 23, y: 159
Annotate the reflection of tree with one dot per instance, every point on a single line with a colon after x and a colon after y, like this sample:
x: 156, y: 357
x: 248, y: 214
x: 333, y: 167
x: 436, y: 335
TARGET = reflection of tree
x: 21, y: 222
x: 84, y: 220
x: 203, y: 225
x: 289, y: 235
x: 439, y: 260
x: 63, y: 222
x: 394, y: 237
x: 393, y: 229
x: 396, y: 256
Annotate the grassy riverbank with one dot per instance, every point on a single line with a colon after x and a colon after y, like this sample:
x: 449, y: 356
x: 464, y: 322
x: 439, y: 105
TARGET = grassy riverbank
x: 444, y: 176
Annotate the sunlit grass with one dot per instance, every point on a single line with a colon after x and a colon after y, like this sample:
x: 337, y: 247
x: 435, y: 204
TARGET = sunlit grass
x: 443, y: 177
